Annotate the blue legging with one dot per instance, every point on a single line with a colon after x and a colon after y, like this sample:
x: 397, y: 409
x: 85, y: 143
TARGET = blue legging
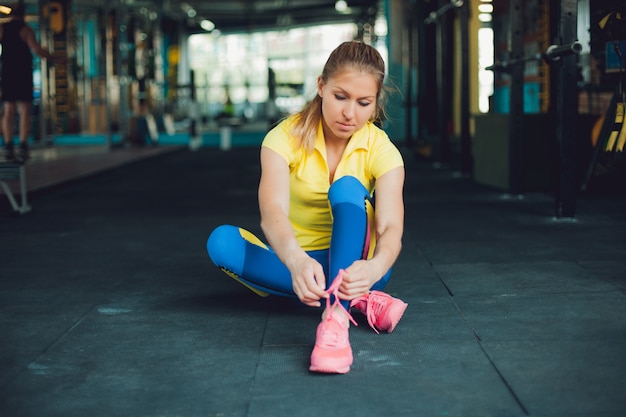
x: 248, y: 260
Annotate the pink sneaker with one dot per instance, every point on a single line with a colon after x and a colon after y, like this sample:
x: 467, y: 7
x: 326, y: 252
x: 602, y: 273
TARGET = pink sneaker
x: 332, y: 352
x: 383, y: 311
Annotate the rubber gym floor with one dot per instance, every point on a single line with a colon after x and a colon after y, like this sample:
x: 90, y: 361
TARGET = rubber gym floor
x: 110, y: 306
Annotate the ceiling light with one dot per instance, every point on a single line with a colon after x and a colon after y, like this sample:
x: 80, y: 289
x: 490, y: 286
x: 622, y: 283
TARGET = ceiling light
x: 380, y: 26
x: 5, y: 9
x: 188, y: 10
x: 342, y: 6
x: 207, y: 25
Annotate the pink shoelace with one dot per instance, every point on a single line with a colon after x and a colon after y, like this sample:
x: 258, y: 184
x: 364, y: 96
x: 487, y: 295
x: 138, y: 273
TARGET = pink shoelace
x: 374, y: 306
x: 373, y: 310
x: 334, y: 290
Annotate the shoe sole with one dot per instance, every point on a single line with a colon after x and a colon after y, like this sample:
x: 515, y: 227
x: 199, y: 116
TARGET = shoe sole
x: 331, y: 365
x: 329, y: 370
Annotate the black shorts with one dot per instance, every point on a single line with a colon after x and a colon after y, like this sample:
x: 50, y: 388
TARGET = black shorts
x: 19, y: 87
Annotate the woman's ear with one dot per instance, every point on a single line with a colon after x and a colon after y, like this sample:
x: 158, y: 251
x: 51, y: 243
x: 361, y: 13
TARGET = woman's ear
x: 320, y: 86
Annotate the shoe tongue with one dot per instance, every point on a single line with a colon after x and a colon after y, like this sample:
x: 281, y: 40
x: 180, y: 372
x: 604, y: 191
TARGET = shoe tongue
x: 336, y: 318
x: 333, y: 333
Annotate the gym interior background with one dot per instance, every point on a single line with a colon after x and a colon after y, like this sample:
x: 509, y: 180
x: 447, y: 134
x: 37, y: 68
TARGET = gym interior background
x: 508, y: 113
x: 476, y: 87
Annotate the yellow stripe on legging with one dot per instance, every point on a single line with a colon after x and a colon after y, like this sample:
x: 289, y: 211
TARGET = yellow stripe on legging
x: 251, y: 238
x: 251, y: 288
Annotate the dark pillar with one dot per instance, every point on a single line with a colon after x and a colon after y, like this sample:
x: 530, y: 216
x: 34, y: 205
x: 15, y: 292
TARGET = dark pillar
x: 194, y: 113
x: 516, y: 111
x: 443, y: 85
x: 409, y: 85
x: 466, y: 141
x: 566, y: 113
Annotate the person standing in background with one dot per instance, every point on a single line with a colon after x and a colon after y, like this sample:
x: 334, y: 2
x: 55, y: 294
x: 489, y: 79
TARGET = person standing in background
x: 17, y: 40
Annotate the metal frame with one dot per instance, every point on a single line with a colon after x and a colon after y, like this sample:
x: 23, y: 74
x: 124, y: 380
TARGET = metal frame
x: 11, y: 171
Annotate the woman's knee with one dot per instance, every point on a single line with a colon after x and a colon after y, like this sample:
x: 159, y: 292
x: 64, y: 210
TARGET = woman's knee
x: 347, y: 189
x: 225, y: 247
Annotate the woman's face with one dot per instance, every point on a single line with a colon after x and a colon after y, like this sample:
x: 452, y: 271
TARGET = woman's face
x: 348, y: 102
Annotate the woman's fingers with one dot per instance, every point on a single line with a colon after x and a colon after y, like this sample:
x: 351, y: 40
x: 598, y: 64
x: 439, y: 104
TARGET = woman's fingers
x: 309, y: 283
x: 356, y: 281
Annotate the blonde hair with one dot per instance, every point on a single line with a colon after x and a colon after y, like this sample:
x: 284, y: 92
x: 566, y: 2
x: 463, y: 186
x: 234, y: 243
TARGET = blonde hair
x: 354, y: 54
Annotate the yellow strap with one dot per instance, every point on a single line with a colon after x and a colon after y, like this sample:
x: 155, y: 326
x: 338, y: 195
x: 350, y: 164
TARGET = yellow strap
x: 606, y: 18
x: 617, y: 126
x: 622, y: 139
x: 611, y: 141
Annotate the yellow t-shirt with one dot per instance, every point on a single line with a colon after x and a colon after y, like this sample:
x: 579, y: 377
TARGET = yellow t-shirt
x: 369, y: 155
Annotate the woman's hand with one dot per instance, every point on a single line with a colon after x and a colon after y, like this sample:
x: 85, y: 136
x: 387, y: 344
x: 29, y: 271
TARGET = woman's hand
x: 358, y: 278
x: 308, y: 279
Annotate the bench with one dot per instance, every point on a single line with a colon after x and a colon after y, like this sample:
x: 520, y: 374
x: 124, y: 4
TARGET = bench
x: 10, y: 171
